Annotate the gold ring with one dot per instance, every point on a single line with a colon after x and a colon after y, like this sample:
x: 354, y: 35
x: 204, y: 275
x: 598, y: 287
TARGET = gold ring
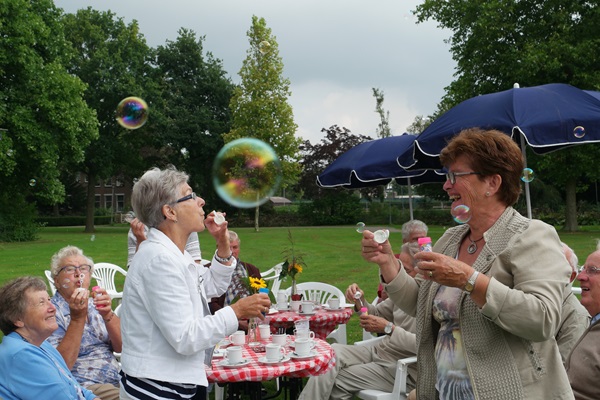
x: 81, y: 302
x: 430, y: 273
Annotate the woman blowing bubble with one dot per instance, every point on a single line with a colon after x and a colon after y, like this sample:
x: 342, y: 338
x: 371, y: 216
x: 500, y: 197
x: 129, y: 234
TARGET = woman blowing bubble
x: 488, y: 297
x: 168, y: 331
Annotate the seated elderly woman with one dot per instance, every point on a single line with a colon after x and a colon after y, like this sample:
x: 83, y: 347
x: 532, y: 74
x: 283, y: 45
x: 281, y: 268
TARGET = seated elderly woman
x: 488, y: 297
x: 168, y: 331
x: 30, y: 368
x: 88, y: 330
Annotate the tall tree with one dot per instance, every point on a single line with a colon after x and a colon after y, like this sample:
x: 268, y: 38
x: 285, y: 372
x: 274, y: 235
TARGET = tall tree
x: 496, y: 44
x: 194, y: 109
x: 383, y: 129
x: 44, y: 120
x: 260, y: 107
x: 112, y: 58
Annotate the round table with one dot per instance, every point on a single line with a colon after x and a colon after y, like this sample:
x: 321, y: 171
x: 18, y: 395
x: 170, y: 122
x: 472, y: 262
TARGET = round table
x: 322, y: 322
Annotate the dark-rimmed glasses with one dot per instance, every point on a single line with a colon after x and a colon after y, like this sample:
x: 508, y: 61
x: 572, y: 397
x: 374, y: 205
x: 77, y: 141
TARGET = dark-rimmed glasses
x: 188, y: 197
x: 591, y: 270
x: 451, y: 176
x: 70, y: 269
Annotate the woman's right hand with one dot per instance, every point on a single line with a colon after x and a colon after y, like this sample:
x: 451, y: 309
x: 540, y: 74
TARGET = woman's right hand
x: 252, y: 306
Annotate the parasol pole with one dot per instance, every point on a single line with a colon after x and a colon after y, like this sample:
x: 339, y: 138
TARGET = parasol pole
x: 527, y: 195
x: 410, y: 207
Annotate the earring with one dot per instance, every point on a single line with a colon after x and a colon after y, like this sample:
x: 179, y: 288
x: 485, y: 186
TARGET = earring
x: 175, y: 221
x: 487, y: 194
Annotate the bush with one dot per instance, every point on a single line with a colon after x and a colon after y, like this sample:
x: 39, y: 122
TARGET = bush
x: 17, y: 219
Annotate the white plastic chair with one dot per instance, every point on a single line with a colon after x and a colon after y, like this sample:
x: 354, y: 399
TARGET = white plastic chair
x: 369, y: 335
x: 399, y: 392
x: 272, y: 274
x: 50, y: 279
x: 323, y: 292
x: 105, y: 274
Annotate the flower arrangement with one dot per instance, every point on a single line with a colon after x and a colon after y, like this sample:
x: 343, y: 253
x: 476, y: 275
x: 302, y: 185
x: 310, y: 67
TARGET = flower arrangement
x: 255, y: 284
x: 292, y: 266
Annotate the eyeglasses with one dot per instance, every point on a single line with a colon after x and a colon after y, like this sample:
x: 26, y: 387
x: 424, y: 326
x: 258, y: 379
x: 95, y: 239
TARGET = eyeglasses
x: 451, y: 176
x: 590, y: 270
x: 70, y: 269
x: 186, y: 198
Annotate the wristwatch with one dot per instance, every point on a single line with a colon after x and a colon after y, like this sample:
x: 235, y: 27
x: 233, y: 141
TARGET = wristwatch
x: 389, y: 328
x: 471, y: 283
x: 221, y: 259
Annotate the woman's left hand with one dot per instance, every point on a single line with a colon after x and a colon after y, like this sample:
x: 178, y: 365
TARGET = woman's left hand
x: 442, y: 269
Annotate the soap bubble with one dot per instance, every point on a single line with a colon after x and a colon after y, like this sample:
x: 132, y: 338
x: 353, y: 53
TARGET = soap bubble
x: 360, y: 227
x: 10, y: 152
x: 66, y: 283
x: 92, y: 238
x: 527, y: 175
x: 579, y: 132
x: 461, y: 214
x: 130, y: 216
x: 381, y: 235
x: 246, y: 172
x: 32, y: 182
x: 132, y: 112
x: 264, y: 46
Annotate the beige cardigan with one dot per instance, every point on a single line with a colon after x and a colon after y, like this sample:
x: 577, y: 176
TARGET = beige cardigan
x: 509, y: 344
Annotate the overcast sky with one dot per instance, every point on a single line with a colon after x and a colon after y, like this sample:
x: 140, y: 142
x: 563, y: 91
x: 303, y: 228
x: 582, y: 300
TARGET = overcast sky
x: 334, y: 52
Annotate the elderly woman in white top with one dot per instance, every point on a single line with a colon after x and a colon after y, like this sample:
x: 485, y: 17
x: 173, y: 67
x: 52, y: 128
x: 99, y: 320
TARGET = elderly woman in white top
x: 168, y: 331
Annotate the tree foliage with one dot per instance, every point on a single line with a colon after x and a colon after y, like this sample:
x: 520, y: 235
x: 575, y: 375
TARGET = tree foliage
x: 260, y: 107
x: 383, y: 129
x: 194, y: 109
x: 46, y: 124
x: 112, y: 59
x: 497, y: 43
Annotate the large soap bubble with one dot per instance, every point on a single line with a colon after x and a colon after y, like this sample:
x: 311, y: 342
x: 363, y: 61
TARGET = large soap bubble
x: 132, y: 112
x: 246, y: 172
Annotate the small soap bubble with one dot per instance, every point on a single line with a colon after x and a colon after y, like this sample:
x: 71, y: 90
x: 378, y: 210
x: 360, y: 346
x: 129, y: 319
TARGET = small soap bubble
x: 381, y: 235
x: 579, y: 132
x: 32, y: 182
x: 527, y: 175
x: 461, y: 214
x: 246, y: 172
x: 10, y: 152
x: 130, y: 216
x: 92, y: 238
x: 66, y: 283
x: 132, y: 113
x: 360, y: 227
x: 264, y: 46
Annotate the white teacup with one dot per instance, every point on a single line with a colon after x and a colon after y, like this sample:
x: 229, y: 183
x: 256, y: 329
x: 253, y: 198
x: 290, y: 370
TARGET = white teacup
x: 304, y: 334
x: 264, y: 331
x: 295, y: 305
x: 275, y: 352
x: 281, y: 299
x: 307, y: 307
x: 334, y: 303
x: 233, y: 355
x: 279, y: 339
x: 238, y: 338
x: 302, y: 347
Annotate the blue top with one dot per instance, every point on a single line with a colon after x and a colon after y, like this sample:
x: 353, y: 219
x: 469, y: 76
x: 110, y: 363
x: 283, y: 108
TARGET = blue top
x: 96, y: 363
x: 31, y: 372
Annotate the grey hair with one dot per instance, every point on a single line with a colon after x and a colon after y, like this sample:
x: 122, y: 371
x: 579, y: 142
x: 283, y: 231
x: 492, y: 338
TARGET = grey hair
x: 153, y: 190
x: 413, y: 225
x: 233, y: 237
x: 68, y: 251
x: 13, y: 300
x: 570, y: 256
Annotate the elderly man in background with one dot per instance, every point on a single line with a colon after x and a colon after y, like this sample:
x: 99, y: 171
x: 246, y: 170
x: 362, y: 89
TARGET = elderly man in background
x: 583, y: 364
x: 575, y: 318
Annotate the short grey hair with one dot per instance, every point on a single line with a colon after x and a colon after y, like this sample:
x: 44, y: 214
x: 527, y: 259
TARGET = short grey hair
x: 413, y: 225
x: 233, y: 237
x: 153, y: 190
x: 13, y: 300
x: 570, y: 256
x: 68, y: 251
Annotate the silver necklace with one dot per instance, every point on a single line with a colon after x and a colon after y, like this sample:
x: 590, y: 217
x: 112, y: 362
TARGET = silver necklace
x: 473, y: 246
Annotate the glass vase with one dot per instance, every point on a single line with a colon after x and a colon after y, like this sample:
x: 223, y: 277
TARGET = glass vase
x: 253, y: 339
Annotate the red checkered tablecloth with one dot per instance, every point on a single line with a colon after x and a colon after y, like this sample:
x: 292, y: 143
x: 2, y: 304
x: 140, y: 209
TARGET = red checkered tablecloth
x: 322, y: 322
x: 257, y: 371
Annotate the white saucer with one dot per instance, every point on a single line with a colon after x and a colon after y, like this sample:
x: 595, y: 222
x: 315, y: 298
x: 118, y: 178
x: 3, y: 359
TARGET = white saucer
x: 224, y: 343
x: 265, y: 361
x: 283, y: 309
x: 327, y: 308
x: 307, y: 313
x: 273, y: 311
x: 225, y: 363
x: 219, y: 353
x: 312, y: 353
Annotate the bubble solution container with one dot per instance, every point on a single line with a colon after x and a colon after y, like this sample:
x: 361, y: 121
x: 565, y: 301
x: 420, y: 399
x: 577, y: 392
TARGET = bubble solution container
x: 425, y: 244
x: 364, y: 310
